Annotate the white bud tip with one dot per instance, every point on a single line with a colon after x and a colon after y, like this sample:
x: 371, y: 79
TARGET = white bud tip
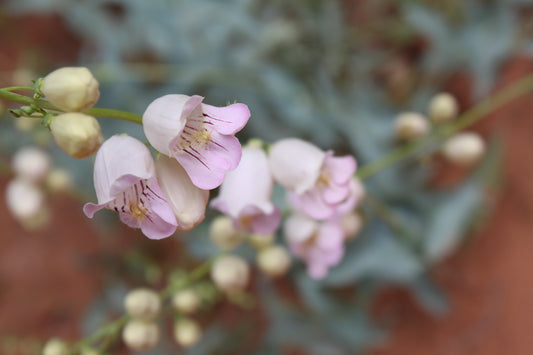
x: 31, y: 163
x: 143, y: 304
x: 464, y: 148
x: 79, y: 135
x: 274, y: 261
x: 55, y: 347
x: 443, y: 108
x: 140, y: 335
x: 186, y: 301
x: 187, y: 332
x: 224, y: 234
x: 410, y: 125
x: 230, y: 273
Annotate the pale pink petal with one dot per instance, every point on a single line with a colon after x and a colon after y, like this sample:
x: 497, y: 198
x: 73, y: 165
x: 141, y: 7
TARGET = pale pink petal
x: 208, y: 167
x: 314, y: 205
x: 298, y: 228
x: 249, y: 184
x: 295, y: 164
x: 188, y: 202
x: 354, y: 196
x: 330, y: 236
x: 227, y: 120
x: 156, y: 227
x: 90, y: 209
x: 340, y: 169
x: 317, y: 271
x: 120, y: 161
x: 165, y: 118
x: 255, y: 221
x: 333, y: 193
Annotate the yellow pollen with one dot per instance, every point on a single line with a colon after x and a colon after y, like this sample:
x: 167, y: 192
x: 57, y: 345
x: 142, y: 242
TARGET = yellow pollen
x: 137, y: 211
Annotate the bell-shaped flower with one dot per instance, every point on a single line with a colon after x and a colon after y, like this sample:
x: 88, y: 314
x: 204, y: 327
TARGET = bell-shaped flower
x: 318, y: 181
x: 187, y: 201
x: 245, y: 194
x: 319, y: 244
x: 125, y: 181
x: 199, y: 136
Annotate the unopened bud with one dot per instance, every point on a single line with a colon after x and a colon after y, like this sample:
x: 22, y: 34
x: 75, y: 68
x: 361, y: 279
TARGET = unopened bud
x: 24, y: 199
x: 140, y: 335
x: 443, y: 108
x: 142, y: 303
x: 274, y: 260
x: 464, y: 148
x: 186, y: 301
x: 31, y: 163
x: 224, y: 234
x: 230, y: 273
x: 187, y: 332
x: 410, y: 125
x: 261, y: 241
x: 77, y: 134
x: 59, y: 180
x: 55, y: 347
x: 71, y: 89
x: 352, y: 224
x: 90, y: 352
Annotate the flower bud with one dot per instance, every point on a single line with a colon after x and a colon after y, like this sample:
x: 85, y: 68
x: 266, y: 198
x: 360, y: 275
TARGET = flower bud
x: 55, y: 347
x: 224, y: 234
x: 24, y: 199
x: 140, y: 335
x: 59, y: 180
x: 443, y: 108
x: 351, y: 224
x: 187, y: 332
x: 31, y: 163
x: 410, y: 125
x: 77, y: 134
x: 261, y: 241
x: 464, y: 148
x: 274, y: 261
x: 186, y: 301
x: 90, y: 352
x: 71, y: 89
x: 143, y: 303
x: 230, y: 273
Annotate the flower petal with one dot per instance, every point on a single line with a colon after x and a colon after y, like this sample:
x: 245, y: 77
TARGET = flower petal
x: 340, y: 169
x: 295, y: 164
x: 188, y: 202
x: 227, y: 120
x: 165, y: 118
x: 256, y: 221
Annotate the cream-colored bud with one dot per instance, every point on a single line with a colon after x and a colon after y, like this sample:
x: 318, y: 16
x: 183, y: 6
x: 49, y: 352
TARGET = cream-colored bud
x: 464, y: 148
x: 352, y: 224
x: 31, y: 163
x: 187, y: 332
x: 24, y: 199
x: 77, y: 134
x: 140, y: 335
x: 71, y: 89
x: 142, y: 303
x: 261, y: 241
x: 186, y: 301
x: 224, y: 234
x: 230, y: 273
x: 59, y: 180
x: 274, y: 260
x: 410, y: 125
x: 443, y: 108
x: 55, y: 347
x: 90, y: 352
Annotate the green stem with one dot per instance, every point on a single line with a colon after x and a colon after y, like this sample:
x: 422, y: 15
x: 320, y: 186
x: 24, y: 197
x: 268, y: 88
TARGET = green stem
x: 19, y: 88
x: 6, y: 94
x: 467, y: 119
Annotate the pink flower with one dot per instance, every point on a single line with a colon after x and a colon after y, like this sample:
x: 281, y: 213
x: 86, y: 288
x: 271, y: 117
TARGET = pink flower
x: 318, y: 181
x: 199, y: 136
x: 245, y: 194
x: 319, y: 244
x: 124, y: 180
x: 187, y: 201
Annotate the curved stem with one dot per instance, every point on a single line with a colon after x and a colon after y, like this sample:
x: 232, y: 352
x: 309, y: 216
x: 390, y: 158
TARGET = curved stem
x: 467, y: 119
x: 6, y: 94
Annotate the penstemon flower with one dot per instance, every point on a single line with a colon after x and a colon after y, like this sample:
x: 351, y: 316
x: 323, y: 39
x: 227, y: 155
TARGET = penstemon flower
x: 125, y: 181
x: 245, y: 194
x: 199, y: 136
x: 319, y: 244
x: 317, y: 181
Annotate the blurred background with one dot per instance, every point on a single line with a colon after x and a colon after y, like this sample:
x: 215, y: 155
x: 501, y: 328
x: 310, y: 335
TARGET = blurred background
x: 333, y: 72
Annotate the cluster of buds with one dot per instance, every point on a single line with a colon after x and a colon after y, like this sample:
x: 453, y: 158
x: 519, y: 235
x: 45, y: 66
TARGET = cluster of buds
x: 141, y: 332
x: 462, y: 149
x: 26, y: 193
x: 73, y: 90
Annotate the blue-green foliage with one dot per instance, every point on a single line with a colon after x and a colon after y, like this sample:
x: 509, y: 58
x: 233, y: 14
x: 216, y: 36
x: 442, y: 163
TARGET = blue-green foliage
x: 306, y: 71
